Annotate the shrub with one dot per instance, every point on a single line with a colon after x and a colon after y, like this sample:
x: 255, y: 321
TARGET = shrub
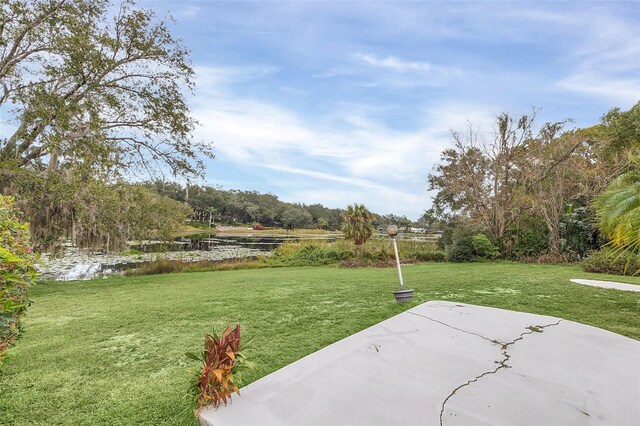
x: 221, y: 359
x: 607, y: 261
x: 430, y: 256
x: 421, y: 251
x: 373, y: 252
x: 307, y: 254
x: 167, y: 266
x: 483, y: 247
x: 468, y: 245
x: 527, y: 238
x: 16, y: 271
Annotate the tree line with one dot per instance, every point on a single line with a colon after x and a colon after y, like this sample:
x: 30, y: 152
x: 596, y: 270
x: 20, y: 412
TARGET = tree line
x: 213, y: 205
x: 533, y: 189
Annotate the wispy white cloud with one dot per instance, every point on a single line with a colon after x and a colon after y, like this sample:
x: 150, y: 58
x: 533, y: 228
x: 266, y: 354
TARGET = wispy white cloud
x: 605, y: 61
x: 620, y: 91
x: 212, y: 77
x: 370, y: 70
x: 394, y: 63
x: 189, y: 12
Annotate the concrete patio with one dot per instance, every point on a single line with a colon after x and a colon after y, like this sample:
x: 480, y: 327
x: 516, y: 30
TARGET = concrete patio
x: 444, y: 363
x: 607, y: 284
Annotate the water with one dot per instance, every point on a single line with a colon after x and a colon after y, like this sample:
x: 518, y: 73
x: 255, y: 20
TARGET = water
x: 211, y: 242
x: 82, y: 265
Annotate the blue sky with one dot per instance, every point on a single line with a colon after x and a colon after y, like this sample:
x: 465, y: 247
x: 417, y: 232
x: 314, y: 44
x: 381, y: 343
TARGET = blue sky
x: 341, y: 102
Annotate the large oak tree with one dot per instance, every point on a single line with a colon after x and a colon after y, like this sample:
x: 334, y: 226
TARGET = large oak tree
x: 92, y: 93
x: 84, y: 82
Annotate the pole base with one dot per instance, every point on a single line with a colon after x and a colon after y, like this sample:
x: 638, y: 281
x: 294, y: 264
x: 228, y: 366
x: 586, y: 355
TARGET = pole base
x: 403, y: 296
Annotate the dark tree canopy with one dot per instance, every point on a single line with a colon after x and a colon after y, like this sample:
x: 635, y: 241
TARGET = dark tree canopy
x: 294, y: 218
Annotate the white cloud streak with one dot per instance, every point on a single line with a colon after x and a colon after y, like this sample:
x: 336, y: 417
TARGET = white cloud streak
x: 396, y: 64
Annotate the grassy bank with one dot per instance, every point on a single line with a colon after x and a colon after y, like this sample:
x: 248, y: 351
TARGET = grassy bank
x: 247, y: 230
x: 111, y: 351
x: 307, y: 253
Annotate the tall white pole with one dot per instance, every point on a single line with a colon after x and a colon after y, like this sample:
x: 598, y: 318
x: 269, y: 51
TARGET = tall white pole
x: 395, y: 249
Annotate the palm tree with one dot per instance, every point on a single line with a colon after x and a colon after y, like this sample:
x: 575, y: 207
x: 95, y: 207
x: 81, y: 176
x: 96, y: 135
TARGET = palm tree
x: 619, y: 210
x: 358, y: 224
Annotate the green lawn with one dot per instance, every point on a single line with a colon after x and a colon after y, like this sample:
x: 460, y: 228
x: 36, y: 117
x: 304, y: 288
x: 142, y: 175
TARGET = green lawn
x: 112, y: 351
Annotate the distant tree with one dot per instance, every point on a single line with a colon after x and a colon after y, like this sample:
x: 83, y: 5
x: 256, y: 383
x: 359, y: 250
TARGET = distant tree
x: 295, y: 218
x: 322, y: 223
x: 357, y: 223
x: 432, y: 221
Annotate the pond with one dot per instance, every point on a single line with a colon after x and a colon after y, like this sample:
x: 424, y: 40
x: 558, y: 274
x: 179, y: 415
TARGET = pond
x: 213, y: 242
x: 79, y: 264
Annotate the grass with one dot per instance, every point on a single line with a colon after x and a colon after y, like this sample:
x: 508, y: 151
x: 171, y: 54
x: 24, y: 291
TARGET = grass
x: 111, y: 351
x: 167, y: 266
x: 188, y: 230
x: 305, y: 253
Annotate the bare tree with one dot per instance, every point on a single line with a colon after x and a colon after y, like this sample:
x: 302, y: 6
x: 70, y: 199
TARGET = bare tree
x: 493, y: 181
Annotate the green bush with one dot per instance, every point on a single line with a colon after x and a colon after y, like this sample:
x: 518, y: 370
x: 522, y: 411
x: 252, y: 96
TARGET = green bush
x: 607, y: 261
x: 307, y: 254
x: 430, y: 256
x: 420, y: 251
x: 468, y: 245
x: 16, y: 272
x: 167, y: 266
x: 526, y: 238
x: 373, y: 252
x: 483, y: 247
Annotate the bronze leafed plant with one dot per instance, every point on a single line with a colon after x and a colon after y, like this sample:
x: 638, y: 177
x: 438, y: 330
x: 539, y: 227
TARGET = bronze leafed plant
x: 221, y: 359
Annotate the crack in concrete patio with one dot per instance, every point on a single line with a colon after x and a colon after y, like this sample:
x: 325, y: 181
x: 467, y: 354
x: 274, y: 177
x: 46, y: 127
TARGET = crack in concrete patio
x: 502, y: 364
